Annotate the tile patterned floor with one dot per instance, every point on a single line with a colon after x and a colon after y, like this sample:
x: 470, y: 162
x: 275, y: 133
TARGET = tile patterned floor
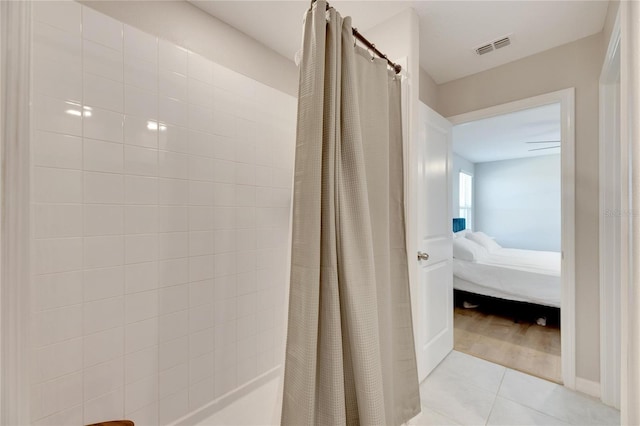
x: 464, y: 390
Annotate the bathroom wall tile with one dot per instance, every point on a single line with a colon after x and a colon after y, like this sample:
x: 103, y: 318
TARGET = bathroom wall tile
x: 57, y: 220
x: 55, y: 115
x: 225, y: 358
x: 201, y: 243
x: 173, y: 191
x: 247, y: 369
x: 108, y: 406
x: 140, y: 190
x: 201, y: 193
x: 141, y: 393
x: 225, y: 381
x: 103, y: 219
x: 224, y: 171
x: 172, y: 57
x: 71, y: 416
x: 57, y: 255
x: 102, y: 283
x: 103, y: 188
x: 56, y: 150
x: 57, y: 290
x: 140, y: 161
x: 200, y: 118
x: 200, y: 318
x: 201, y: 367
x: 57, y: 79
x: 201, y: 342
x: 103, y: 61
x: 140, y: 103
x: 145, y: 416
x: 103, y: 251
x: 224, y: 264
x: 201, y: 393
x: 57, y: 185
x: 223, y: 124
x: 201, y: 268
x: 174, y: 406
x: 173, y: 219
x: 173, y: 380
x: 201, y: 168
x: 139, y: 45
x: 173, y: 245
x: 201, y: 292
x: 141, y: 306
x: 224, y: 241
x: 224, y: 148
x: 227, y: 195
x: 226, y: 217
x: 224, y: 288
x: 103, y: 378
x: 141, y: 74
x: 64, y: 15
x: 201, y: 144
x: 140, y: 131
x: 173, y: 272
x: 245, y: 195
x: 199, y: 68
x: 101, y: 28
x: 140, y: 335
x: 174, y: 138
x: 200, y: 218
x: 173, y: 353
x: 174, y: 298
x: 200, y: 93
x: 173, y: 165
x: 173, y: 326
x: 57, y: 360
x: 102, y: 314
x: 173, y: 85
x: 103, y: 93
x: 173, y: 111
x: 99, y: 156
x: 141, y: 364
x: 60, y: 394
x: 140, y: 277
x: 141, y: 248
x: 56, y: 45
x: 140, y: 219
x: 103, y: 124
x: 57, y: 325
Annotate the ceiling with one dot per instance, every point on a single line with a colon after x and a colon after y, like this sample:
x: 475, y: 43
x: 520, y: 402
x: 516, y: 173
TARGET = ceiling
x: 449, y: 30
x: 504, y: 137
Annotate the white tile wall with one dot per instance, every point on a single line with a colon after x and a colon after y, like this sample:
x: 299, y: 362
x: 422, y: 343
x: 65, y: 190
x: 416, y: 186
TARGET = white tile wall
x: 161, y: 195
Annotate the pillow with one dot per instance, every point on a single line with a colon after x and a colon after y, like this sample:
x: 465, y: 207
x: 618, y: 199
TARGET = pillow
x: 484, y: 240
x: 460, y: 234
x: 465, y: 249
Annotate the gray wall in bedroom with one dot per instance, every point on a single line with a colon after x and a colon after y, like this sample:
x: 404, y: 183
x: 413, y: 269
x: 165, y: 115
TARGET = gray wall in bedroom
x: 518, y: 202
x: 460, y: 164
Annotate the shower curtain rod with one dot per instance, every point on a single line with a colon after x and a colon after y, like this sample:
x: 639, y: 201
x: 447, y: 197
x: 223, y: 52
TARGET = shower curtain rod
x: 396, y: 67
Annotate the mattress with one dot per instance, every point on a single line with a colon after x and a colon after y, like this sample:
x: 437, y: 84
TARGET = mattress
x: 512, y: 274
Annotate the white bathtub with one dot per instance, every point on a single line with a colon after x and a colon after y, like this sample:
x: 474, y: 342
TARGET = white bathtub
x: 258, y: 402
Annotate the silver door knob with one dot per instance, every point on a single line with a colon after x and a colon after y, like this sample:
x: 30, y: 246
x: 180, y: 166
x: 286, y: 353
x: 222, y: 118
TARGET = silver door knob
x: 423, y: 256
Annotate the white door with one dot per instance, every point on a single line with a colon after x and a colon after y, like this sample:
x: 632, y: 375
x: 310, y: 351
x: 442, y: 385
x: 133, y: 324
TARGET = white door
x: 435, y: 277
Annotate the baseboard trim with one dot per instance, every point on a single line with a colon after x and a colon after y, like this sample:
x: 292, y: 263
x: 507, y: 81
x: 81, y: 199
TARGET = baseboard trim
x: 218, y: 404
x: 589, y: 387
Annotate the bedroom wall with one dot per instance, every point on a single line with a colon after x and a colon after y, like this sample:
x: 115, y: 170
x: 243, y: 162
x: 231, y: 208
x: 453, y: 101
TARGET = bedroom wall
x: 460, y: 163
x: 518, y: 202
x: 578, y: 65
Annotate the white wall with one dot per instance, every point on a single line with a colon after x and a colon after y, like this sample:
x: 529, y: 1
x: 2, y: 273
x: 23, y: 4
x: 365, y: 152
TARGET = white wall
x: 518, y: 202
x: 578, y: 65
x: 460, y: 164
x: 160, y: 204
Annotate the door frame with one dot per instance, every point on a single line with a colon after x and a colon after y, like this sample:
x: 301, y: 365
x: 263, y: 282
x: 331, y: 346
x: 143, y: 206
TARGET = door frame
x: 611, y: 212
x: 566, y: 98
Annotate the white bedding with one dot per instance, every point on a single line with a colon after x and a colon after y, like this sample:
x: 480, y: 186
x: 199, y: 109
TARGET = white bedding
x: 513, y: 274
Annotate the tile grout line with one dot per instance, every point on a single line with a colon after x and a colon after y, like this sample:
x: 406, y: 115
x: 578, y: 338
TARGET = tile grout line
x: 495, y: 397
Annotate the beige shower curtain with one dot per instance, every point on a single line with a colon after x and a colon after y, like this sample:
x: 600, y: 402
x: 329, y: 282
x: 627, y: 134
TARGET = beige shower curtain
x: 350, y: 353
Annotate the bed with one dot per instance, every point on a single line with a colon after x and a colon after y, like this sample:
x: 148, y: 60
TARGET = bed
x: 505, y: 273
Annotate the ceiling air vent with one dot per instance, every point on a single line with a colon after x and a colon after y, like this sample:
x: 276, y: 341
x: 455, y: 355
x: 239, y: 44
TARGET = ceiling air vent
x: 484, y: 49
x: 503, y: 42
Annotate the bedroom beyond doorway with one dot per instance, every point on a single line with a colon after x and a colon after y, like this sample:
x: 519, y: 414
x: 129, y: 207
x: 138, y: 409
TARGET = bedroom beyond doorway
x: 507, y: 244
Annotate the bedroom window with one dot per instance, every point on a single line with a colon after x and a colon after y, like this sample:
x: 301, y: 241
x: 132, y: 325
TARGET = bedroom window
x: 466, y: 198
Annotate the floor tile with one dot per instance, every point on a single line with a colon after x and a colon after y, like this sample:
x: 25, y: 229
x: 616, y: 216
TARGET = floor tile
x: 555, y: 400
x: 509, y: 413
x: 455, y: 398
x: 428, y: 417
x: 469, y: 369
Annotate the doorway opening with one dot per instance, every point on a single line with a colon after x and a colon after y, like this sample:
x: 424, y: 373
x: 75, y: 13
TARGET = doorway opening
x: 513, y: 273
